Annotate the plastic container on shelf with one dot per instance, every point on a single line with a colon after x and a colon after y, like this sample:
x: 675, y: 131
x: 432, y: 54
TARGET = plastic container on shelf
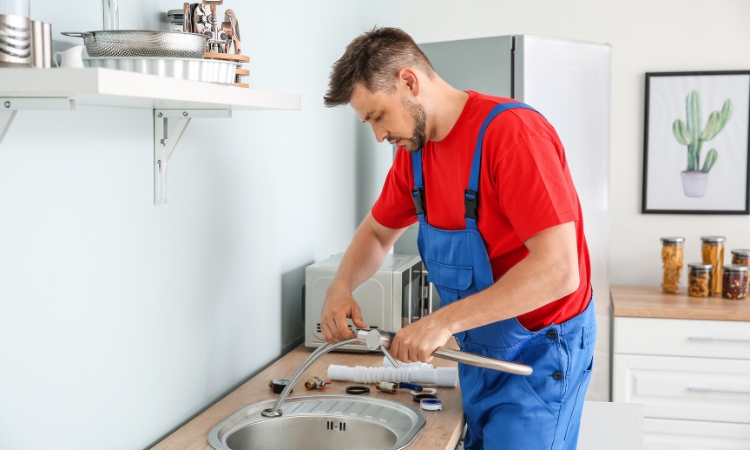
x: 699, y: 279
x: 672, y: 256
x: 735, y: 282
x: 712, y: 249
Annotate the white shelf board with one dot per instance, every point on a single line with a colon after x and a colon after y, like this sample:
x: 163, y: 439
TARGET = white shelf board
x: 107, y: 87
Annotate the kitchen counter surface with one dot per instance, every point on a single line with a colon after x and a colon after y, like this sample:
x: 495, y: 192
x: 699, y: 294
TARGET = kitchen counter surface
x: 442, y: 430
x: 650, y: 302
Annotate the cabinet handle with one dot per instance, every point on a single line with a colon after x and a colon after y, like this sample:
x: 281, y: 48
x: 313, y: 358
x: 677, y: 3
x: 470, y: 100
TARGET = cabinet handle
x: 713, y: 339
x: 710, y: 390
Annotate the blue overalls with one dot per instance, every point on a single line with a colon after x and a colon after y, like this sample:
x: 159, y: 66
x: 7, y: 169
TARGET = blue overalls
x: 504, y: 411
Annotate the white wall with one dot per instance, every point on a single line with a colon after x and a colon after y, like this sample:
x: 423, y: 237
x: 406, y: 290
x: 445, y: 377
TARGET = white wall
x: 646, y: 36
x: 119, y: 320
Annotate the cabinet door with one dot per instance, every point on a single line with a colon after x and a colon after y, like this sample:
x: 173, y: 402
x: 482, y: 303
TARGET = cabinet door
x: 665, y: 434
x: 684, y: 388
x: 678, y: 337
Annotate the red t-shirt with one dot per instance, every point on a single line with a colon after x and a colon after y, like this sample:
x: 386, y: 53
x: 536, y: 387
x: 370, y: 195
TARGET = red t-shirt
x: 525, y: 187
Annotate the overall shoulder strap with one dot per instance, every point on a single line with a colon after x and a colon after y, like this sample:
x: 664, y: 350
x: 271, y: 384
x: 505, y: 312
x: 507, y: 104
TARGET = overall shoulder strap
x: 471, y: 200
x: 417, y: 193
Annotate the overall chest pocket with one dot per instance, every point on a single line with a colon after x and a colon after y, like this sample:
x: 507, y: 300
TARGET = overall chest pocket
x: 456, y: 278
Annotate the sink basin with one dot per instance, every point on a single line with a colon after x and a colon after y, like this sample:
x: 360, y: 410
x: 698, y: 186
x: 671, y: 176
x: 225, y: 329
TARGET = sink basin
x: 321, y: 422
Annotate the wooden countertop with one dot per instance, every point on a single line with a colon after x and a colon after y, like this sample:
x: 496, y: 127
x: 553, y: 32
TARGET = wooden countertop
x: 442, y: 430
x: 649, y: 301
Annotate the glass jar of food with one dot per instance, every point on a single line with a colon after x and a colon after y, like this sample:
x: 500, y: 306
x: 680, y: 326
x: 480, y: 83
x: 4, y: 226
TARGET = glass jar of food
x: 735, y: 282
x: 712, y: 249
x: 672, y: 256
x: 699, y: 280
x: 741, y: 257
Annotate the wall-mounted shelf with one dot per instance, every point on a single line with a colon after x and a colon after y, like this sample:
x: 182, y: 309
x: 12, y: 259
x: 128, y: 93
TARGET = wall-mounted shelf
x: 25, y: 89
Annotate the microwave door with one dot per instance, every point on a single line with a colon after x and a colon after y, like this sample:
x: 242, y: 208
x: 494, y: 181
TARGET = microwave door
x: 425, y: 290
x: 413, y: 301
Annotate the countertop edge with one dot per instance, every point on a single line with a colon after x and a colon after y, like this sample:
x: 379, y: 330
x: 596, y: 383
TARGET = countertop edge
x: 649, y: 302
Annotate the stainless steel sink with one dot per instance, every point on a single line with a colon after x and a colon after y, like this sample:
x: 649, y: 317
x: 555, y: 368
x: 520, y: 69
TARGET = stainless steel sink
x: 321, y: 422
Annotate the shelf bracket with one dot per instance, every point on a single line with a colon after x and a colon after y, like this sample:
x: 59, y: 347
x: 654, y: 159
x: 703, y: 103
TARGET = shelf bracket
x: 6, y: 118
x: 9, y: 106
x: 165, y: 143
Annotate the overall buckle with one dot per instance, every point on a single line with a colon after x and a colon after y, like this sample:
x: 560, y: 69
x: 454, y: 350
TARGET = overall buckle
x: 418, y: 196
x: 471, y: 204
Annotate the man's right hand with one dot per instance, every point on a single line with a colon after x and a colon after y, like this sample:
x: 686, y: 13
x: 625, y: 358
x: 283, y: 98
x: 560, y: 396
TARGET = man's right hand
x: 338, y: 306
x: 370, y: 245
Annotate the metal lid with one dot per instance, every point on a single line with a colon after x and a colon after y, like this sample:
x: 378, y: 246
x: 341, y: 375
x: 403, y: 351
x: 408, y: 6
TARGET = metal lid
x: 701, y: 267
x: 672, y: 240
x: 742, y: 253
x: 736, y: 268
x: 713, y: 239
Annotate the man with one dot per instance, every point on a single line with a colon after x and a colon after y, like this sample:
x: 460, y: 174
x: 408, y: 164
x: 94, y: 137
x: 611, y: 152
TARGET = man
x: 501, y: 235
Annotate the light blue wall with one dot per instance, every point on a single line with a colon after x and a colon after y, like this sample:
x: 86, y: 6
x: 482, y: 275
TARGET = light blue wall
x: 120, y: 320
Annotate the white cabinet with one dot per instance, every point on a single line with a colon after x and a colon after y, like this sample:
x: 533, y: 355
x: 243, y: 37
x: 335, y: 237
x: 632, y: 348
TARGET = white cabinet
x: 679, y: 337
x: 667, y: 434
x: 685, y: 388
x: 692, y: 377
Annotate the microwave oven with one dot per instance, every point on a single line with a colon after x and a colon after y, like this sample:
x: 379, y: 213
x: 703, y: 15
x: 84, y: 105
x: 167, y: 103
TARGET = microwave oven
x: 394, y: 297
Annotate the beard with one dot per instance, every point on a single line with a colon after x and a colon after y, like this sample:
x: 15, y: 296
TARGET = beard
x: 418, y: 139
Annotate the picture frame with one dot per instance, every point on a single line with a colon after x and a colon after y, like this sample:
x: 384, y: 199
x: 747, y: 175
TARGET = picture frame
x: 696, y: 150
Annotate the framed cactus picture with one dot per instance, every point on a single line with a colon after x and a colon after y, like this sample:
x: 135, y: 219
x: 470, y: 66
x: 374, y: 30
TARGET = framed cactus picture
x: 697, y: 143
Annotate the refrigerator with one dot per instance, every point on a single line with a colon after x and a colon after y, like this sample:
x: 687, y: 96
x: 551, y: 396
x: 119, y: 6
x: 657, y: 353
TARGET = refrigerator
x: 569, y: 83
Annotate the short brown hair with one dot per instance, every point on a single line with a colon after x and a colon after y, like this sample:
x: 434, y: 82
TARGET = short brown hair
x: 373, y: 59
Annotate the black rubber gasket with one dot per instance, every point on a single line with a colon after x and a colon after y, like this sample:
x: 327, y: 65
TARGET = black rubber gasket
x: 417, y: 398
x: 278, y: 385
x: 357, y: 390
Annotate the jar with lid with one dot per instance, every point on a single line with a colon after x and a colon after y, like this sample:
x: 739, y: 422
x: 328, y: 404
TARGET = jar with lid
x: 699, y: 279
x: 672, y: 256
x: 741, y: 257
x: 735, y: 282
x: 712, y: 249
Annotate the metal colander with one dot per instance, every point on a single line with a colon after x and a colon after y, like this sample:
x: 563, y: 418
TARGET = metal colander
x: 140, y: 43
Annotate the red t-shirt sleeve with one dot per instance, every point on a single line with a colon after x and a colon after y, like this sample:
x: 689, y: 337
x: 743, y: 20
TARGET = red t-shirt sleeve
x: 395, y: 207
x: 535, y: 187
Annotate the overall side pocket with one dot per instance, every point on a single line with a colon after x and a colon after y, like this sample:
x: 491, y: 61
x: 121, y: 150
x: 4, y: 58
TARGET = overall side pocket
x: 546, y: 359
x: 578, y: 405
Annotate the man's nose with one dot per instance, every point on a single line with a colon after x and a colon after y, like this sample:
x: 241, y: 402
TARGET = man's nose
x: 380, y: 134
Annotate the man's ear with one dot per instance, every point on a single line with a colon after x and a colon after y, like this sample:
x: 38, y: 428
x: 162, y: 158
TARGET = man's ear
x: 409, y: 81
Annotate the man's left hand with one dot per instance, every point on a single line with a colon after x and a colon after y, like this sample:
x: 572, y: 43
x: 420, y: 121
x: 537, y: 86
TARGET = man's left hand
x: 417, y: 341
